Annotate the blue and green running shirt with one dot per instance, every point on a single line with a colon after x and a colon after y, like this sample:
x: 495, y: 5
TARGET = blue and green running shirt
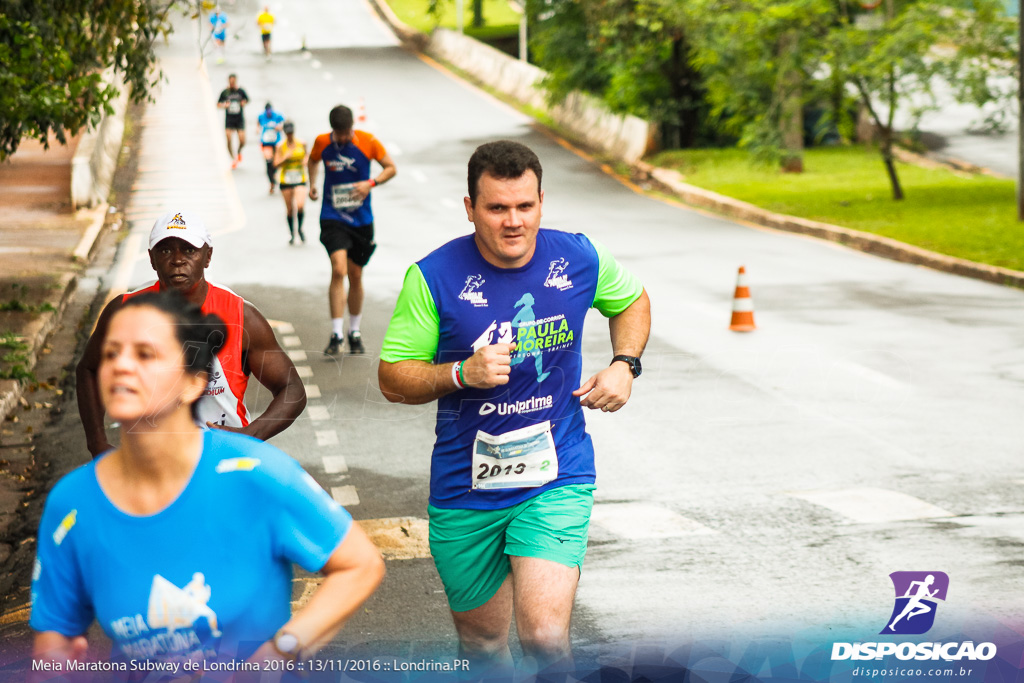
x: 453, y: 302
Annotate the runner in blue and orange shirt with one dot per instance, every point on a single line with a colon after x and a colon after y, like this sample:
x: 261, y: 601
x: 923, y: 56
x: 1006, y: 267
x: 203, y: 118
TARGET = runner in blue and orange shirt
x: 346, y: 217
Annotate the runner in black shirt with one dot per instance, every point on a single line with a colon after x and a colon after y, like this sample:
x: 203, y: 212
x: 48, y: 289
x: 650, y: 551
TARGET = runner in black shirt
x: 233, y: 100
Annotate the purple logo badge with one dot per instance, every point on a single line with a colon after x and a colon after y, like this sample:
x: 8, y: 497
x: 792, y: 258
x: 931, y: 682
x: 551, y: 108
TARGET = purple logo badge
x: 917, y: 595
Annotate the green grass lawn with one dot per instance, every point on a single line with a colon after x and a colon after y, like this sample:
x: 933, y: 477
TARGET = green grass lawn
x: 499, y: 17
x: 971, y: 217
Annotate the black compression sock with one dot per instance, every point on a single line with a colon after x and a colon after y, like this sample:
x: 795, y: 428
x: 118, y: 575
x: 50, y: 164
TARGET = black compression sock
x: 270, y: 170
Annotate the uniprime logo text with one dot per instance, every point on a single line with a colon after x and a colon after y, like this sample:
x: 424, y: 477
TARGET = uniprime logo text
x: 530, y: 405
x: 914, y: 611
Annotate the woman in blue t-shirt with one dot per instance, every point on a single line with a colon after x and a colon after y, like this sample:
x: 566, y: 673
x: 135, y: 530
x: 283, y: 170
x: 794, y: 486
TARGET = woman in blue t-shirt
x: 180, y: 542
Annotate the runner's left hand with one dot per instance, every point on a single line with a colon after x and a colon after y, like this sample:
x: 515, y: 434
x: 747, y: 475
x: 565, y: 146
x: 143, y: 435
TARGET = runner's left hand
x: 608, y: 390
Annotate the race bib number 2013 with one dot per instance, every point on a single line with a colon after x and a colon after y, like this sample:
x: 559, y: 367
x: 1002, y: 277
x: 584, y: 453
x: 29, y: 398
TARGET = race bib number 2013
x: 523, y: 458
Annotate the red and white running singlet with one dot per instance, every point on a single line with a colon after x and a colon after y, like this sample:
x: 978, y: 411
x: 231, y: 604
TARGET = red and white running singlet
x: 221, y: 403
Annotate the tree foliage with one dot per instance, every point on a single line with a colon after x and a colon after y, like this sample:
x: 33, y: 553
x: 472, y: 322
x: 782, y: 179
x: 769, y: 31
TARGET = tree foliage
x: 627, y: 52
x: 53, y: 55
x: 750, y: 67
x: 916, y: 47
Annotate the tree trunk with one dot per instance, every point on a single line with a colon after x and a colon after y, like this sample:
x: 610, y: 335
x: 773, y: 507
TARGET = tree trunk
x: 478, y: 13
x: 890, y: 165
x: 791, y: 114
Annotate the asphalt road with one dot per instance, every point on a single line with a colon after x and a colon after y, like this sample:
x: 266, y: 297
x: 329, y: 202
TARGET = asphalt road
x: 758, y: 486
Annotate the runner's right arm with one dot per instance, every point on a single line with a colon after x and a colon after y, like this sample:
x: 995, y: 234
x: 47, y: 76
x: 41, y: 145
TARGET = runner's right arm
x: 313, y: 164
x: 87, y: 388
x: 407, y: 372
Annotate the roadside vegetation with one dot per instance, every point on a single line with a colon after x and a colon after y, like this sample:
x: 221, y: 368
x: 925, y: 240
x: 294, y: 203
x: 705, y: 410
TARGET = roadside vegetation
x: 499, y: 19
x: 970, y: 216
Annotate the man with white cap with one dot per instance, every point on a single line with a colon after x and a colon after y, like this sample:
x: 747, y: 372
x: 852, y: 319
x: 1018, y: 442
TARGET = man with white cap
x: 180, y: 249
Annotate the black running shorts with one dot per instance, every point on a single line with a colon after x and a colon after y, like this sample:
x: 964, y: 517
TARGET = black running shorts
x: 357, y: 241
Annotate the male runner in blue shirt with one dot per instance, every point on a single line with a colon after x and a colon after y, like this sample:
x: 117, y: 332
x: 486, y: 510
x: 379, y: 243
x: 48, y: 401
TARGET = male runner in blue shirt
x: 490, y: 326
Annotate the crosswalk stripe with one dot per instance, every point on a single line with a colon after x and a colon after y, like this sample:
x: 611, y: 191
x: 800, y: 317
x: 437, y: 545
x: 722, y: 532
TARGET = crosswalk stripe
x: 345, y: 495
x: 328, y: 437
x: 872, y: 505
x: 335, y: 464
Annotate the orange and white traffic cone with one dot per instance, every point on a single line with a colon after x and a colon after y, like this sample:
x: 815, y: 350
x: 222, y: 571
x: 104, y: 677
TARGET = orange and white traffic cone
x: 742, y: 305
x: 361, y: 116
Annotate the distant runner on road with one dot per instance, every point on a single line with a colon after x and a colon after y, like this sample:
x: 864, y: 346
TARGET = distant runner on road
x: 219, y: 32
x: 490, y: 326
x: 291, y: 157
x: 233, y: 100
x: 346, y: 217
x: 266, y: 24
x: 180, y: 250
x: 269, y: 123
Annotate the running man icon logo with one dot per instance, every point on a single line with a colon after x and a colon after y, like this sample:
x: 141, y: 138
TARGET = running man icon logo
x: 177, y: 222
x: 917, y: 594
x: 469, y: 291
x: 556, y: 276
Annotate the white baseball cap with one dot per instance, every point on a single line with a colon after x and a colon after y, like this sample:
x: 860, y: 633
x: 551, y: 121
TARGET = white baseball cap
x: 184, y: 225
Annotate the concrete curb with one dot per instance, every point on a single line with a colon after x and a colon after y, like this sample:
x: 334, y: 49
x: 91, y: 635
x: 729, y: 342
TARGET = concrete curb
x: 35, y: 334
x: 37, y: 331
x: 862, y: 241
x: 95, y: 160
x: 407, y: 34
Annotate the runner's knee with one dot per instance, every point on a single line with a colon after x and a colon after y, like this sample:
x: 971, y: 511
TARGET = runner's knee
x: 546, y: 641
x: 483, y: 640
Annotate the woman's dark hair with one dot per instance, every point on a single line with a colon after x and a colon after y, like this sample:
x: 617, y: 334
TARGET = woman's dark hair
x: 201, y: 335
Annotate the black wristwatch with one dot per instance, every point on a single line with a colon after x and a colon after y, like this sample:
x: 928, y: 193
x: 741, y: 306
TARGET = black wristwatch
x: 633, y: 362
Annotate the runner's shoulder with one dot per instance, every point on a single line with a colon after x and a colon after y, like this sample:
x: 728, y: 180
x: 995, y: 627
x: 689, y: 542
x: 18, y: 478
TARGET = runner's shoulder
x: 450, y: 253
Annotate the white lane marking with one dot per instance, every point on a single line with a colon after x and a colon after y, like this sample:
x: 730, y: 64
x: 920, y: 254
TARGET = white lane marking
x: 345, y: 495
x: 312, y: 391
x: 327, y: 438
x: 335, y: 464
x: 418, y: 175
x: 318, y: 413
x: 304, y: 370
x: 132, y: 253
x: 291, y: 341
x: 328, y: 76
x: 642, y: 520
x: 296, y: 355
x: 393, y: 149
x: 282, y: 327
x: 872, y: 505
x: 316, y: 64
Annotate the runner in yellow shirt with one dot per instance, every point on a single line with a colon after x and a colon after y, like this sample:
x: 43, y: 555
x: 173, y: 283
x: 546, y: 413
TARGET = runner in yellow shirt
x: 291, y: 157
x: 266, y: 22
